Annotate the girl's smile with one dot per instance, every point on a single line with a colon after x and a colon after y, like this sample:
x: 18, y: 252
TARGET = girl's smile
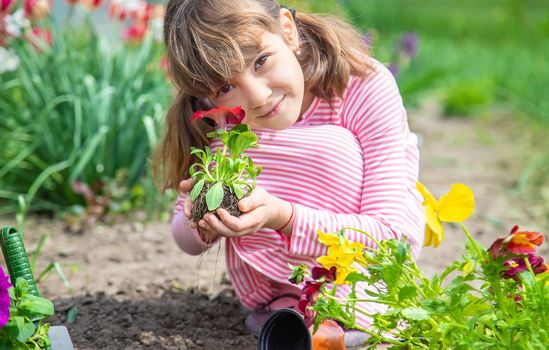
x: 274, y: 110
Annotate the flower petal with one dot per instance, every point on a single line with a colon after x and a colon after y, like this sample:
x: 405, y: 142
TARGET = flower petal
x: 326, y: 238
x: 429, y: 199
x: 434, y: 233
x: 524, y: 242
x: 457, y: 205
x: 232, y: 115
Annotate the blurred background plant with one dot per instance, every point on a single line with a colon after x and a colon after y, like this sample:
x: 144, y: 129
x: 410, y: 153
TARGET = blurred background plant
x: 80, y: 111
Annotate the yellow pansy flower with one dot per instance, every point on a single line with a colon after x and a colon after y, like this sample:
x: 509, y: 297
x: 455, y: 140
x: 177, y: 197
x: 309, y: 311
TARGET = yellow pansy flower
x: 456, y: 206
x: 328, y: 239
x: 342, y: 258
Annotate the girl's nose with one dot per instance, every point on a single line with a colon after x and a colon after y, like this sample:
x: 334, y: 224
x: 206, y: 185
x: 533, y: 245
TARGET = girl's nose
x: 258, y: 93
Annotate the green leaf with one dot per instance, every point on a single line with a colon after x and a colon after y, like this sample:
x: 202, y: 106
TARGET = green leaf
x: 356, y: 277
x: 415, y: 313
x: 196, y: 189
x: 21, y: 327
x: 35, y: 306
x: 238, y: 191
x: 21, y: 287
x: 407, y: 293
x: 244, y: 141
x: 71, y: 314
x: 214, y: 196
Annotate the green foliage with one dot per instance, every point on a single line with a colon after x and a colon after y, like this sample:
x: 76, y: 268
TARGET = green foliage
x: 465, y: 97
x: 234, y: 170
x: 25, y: 328
x: 468, y: 306
x: 79, y: 111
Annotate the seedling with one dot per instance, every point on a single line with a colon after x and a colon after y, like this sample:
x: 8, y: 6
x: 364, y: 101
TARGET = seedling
x: 226, y: 175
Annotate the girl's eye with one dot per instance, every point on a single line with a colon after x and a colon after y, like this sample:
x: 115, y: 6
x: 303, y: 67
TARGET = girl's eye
x: 260, y: 61
x: 224, y: 89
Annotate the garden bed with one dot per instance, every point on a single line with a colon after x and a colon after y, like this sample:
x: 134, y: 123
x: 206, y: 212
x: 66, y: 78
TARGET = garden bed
x: 134, y: 289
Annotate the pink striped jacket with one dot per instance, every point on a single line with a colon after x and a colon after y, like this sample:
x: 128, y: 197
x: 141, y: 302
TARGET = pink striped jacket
x: 348, y: 162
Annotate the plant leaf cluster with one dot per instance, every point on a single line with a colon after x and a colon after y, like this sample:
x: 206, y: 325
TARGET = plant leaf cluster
x: 226, y: 165
x: 467, y: 306
x: 25, y: 328
x: 83, y: 110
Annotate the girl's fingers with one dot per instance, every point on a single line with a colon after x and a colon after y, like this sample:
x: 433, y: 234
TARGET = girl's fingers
x: 186, y: 185
x: 232, y: 222
x: 218, y: 226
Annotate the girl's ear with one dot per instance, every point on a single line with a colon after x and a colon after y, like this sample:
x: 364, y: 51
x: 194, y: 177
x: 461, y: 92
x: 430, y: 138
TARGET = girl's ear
x: 289, y: 29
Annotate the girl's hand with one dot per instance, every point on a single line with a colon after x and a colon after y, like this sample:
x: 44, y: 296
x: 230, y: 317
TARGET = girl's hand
x: 207, y: 235
x: 260, y: 209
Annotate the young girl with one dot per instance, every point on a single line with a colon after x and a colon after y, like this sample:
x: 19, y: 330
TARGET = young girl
x: 335, y: 146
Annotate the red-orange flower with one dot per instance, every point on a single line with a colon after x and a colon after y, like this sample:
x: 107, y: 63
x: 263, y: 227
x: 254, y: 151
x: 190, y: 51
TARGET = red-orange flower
x: 233, y: 115
x: 517, y: 242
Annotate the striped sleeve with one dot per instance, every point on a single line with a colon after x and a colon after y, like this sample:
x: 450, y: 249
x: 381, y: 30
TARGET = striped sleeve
x: 187, y: 238
x: 374, y: 112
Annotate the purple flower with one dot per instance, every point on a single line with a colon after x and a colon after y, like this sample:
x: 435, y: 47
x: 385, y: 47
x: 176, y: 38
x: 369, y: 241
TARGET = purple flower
x: 368, y: 38
x: 4, y: 298
x: 515, y: 266
x: 409, y: 44
x: 393, y: 68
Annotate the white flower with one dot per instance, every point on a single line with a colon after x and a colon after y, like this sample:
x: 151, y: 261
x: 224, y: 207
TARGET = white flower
x: 157, y: 29
x: 15, y: 23
x: 9, y: 61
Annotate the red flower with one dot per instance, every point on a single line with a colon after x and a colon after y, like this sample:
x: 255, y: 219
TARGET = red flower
x: 318, y: 272
x: 36, y: 9
x: 517, y: 265
x: 308, y: 297
x: 517, y: 242
x: 91, y: 4
x: 40, y: 38
x: 135, y: 33
x: 232, y: 115
x: 6, y: 5
x: 117, y: 11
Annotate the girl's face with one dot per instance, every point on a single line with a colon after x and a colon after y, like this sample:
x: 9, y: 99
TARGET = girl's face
x: 271, y: 89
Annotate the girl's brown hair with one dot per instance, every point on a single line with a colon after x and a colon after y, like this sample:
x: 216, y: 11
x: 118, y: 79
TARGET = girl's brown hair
x: 209, y: 42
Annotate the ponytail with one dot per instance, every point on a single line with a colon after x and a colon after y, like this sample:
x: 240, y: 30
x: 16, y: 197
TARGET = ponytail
x: 332, y: 51
x: 172, y: 157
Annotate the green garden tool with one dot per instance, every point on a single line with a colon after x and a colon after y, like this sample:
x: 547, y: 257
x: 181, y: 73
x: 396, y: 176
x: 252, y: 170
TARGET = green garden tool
x: 18, y: 265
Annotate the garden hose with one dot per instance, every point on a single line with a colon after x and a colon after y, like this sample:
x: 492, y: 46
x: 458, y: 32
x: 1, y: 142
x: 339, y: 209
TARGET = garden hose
x: 16, y: 258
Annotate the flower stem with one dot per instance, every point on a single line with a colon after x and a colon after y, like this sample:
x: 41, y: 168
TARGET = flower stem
x: 470, y: 237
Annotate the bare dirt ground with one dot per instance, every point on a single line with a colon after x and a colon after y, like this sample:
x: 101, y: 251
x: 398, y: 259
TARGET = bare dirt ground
x: 133, y: 289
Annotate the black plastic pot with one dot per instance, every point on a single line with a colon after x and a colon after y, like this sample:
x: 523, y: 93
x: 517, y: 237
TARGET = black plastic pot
x: 284, y: 330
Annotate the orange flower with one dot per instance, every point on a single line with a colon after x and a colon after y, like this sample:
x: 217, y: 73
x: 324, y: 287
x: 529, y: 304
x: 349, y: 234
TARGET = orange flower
x: 517, y: 242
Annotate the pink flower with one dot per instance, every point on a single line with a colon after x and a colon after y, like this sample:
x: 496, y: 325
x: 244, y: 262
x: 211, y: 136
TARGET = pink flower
x: 4, y: 298
x: 517, y: 242
x: 232, y: 115
x: 36, y: 9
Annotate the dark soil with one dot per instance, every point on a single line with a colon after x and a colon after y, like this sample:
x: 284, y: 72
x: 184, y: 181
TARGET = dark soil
x: 229, y: 203
x: 174, y: 320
